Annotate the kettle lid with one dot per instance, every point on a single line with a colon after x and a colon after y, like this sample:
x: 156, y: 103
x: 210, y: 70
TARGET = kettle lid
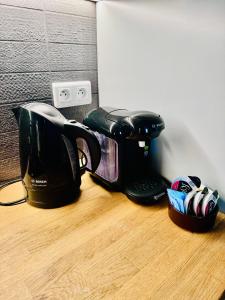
x: 46, y: 111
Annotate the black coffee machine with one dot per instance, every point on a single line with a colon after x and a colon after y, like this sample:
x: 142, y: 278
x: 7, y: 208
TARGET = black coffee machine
x: 125, y: 165
x: 49, y: 160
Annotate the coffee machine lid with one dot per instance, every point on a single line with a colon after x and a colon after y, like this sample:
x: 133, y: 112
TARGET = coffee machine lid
x: 121, y: 123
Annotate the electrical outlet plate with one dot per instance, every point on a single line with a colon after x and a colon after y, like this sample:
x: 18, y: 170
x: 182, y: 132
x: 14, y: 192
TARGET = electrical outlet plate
x: 74, y: 93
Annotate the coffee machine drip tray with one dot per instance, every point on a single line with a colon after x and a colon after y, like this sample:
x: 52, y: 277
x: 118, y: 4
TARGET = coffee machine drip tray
x: 146, y: 190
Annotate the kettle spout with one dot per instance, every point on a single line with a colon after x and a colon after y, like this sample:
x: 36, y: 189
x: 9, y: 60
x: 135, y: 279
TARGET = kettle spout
x: 16, y: 111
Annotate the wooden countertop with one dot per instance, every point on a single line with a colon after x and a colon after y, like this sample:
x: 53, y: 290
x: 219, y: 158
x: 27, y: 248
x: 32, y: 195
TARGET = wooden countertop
x: 105, y: 246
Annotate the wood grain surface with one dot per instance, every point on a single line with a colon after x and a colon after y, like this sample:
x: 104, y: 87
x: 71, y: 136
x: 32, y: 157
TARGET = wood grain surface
x: 104, y: 246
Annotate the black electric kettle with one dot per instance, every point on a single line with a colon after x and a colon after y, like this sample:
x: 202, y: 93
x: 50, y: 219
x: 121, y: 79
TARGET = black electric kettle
x: 49, y: 160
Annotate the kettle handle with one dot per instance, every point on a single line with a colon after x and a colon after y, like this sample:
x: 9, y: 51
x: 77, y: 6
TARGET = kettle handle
x: 73, y: 129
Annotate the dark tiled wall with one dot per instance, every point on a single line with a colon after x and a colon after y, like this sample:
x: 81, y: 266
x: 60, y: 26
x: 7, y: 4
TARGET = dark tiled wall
x: 42, y: 41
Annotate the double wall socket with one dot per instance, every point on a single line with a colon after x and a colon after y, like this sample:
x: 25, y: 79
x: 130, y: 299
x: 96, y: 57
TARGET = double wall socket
x: 67, y: 94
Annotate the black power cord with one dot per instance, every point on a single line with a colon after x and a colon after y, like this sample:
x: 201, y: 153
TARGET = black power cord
x: 20, y: 201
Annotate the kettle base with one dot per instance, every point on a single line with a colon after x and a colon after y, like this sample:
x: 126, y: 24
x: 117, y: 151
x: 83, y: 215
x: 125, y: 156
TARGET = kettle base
x: 52, y: 199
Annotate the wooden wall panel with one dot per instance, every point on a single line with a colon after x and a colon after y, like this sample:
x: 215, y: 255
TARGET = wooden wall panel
x: 7, y: 119
x: 42, y: 42
x: 8, y: 122
x: 74, y: 7
x: 9, y: 169
x: 78, y: 112
x: 18, y: 24
x: 9, y: 145
x: 35, y: 4
x: 72, y: 57
x: 70, y: 29
x: 16, y: 87
x: 23, y: 57
x: 77, y: 75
